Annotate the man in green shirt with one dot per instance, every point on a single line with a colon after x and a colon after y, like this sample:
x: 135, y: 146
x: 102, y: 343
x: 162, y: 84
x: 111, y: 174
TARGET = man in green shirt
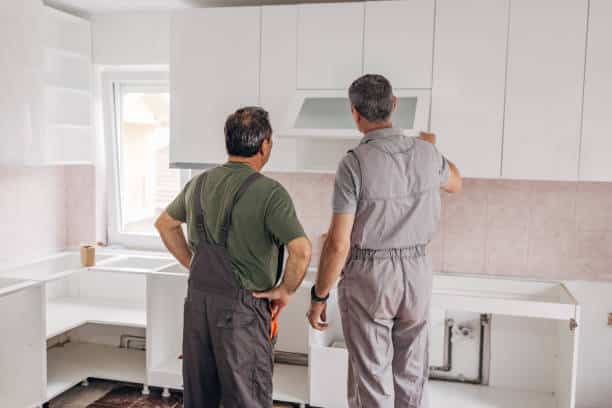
x: 238, y: 222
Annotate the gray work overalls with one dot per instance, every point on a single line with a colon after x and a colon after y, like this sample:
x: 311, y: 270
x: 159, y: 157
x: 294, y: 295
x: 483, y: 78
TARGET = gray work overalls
x: 227, y: 352
x: 385, y: 290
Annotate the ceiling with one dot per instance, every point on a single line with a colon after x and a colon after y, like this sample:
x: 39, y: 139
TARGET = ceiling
x: 93, y: 7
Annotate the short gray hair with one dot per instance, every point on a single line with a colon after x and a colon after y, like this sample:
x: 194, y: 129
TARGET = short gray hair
x: 372, y: 96
x: 245, y: 131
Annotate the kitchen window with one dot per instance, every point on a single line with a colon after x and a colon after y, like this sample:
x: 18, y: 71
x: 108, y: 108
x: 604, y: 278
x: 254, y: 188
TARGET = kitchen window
x: 141, y: 184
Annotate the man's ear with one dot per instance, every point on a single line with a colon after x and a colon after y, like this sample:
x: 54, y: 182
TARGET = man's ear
x: 356, y: 115
x: 395, y: 103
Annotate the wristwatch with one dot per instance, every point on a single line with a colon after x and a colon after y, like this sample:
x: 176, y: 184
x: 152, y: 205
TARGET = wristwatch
x: 314, y: 298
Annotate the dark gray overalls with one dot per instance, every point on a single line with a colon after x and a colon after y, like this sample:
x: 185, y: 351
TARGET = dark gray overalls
x: 227, y: 352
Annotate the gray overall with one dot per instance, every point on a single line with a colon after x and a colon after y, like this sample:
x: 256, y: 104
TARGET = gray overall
x: 385, y: 290
x: 227, y: 353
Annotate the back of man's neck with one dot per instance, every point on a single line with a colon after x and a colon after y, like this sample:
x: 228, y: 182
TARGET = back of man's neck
x: 373, y: 127
x: 249, y: 161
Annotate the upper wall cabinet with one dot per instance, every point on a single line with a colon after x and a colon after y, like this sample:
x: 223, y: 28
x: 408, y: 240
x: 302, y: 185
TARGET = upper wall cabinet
x: 68, y: 131
x: 398, y: 41
x: 595, y: 163
x: 469, y: 80
x: 329, y: 45
x: 21, y: 80
x: 544, y: 89
x: 214, y: 70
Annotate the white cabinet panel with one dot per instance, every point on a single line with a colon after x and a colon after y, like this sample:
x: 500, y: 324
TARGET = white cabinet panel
x: 279, y: 79
x: 595, y: 163
x: 215, y: 70
x: 544, y: 89
x: 21, y: 80
x: 398, y: 41
x: 469, y: 80
x: 330, y: 45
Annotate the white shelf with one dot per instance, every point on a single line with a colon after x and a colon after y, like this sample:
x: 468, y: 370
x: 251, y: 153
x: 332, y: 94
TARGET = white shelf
x: 67, y: 313
x: 67, y: 366
x: 290, y: 384
x: 444, y: 394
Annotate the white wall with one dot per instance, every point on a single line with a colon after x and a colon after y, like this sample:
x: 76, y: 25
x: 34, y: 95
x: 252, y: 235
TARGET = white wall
x: 131, y: 39
x: 595, y: 344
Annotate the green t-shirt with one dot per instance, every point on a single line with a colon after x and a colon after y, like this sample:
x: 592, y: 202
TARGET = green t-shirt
x: 262, y: 219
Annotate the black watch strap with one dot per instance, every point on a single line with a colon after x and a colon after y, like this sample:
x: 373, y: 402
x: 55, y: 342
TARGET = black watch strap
x: 315, y: 298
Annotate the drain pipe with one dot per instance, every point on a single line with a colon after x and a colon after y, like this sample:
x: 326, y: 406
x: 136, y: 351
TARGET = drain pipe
x: 480, y: 380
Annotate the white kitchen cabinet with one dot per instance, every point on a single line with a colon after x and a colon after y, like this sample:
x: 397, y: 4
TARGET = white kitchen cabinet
x: 398, y: 41
x: 22, y: 355
x: 46, y: 101
x: 279, y: 79
x: 68, y: 127
x: 329, y: 45
x: 467, y: 109
x: 215, y: 58
x: 595, y: 163
x: 544, y: 89
x: 534, y: 329
x: 21, y: 76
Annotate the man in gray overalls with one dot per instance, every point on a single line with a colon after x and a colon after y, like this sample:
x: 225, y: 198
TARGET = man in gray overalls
x: 386, y: 211
x: 237, y: 220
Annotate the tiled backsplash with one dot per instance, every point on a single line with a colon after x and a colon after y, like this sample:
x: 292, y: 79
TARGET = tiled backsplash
x: 32, y: 212
x: 548, y: 230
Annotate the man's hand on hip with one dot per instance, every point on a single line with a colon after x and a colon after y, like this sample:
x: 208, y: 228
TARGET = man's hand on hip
x: 278, y: 297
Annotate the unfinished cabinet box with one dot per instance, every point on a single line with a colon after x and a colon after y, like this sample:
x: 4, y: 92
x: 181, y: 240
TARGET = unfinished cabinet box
x: 22, y: 355
x: 529, y: 346
x: 205, y: 89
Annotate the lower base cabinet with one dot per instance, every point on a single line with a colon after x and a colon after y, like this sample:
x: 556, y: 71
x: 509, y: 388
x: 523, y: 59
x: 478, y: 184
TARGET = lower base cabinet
x: 529, y: 356
x: 517, y: 338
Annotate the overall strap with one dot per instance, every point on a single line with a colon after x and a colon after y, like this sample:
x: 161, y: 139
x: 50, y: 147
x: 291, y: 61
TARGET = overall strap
x: 227, y: 221
x: 198, y: 210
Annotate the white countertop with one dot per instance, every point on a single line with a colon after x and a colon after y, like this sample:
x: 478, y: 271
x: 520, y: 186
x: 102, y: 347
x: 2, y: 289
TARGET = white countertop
x: 10, y: 285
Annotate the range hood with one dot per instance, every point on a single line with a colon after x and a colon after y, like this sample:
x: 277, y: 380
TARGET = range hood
x: 327, y: 114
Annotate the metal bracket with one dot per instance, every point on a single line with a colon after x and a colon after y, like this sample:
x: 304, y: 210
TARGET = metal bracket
x: 573, y: 324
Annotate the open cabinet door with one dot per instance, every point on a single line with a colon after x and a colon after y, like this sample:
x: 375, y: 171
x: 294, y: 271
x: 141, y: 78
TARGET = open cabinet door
x: 568, y: 356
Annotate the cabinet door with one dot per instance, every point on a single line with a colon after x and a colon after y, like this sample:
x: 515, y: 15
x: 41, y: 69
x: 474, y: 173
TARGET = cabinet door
x: 544, y: 89
x: 398, y: 41
x: 279, y: 79
x: 469, y: 80
x: 330, y: 45
x: 214, y: 71
x: 21, y: 80
x: 595, y: 163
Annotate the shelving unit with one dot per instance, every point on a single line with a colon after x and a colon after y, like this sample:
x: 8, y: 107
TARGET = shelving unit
x: 72, y: 363
x: 67, y: 90
x: 67, y: 313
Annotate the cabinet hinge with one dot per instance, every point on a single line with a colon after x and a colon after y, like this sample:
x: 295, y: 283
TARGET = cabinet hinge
x: 573, y: 324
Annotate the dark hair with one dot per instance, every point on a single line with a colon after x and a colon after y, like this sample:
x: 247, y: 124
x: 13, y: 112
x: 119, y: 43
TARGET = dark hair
x: 245, y: 131
x: 372, y: 96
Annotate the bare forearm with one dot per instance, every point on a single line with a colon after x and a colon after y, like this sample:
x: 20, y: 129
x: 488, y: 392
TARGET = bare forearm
x: 295, y: 270
x: 330, y: 266
x: 174, y: 240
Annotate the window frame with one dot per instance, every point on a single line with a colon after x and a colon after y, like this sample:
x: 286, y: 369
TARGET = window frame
x: 112, y: 82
